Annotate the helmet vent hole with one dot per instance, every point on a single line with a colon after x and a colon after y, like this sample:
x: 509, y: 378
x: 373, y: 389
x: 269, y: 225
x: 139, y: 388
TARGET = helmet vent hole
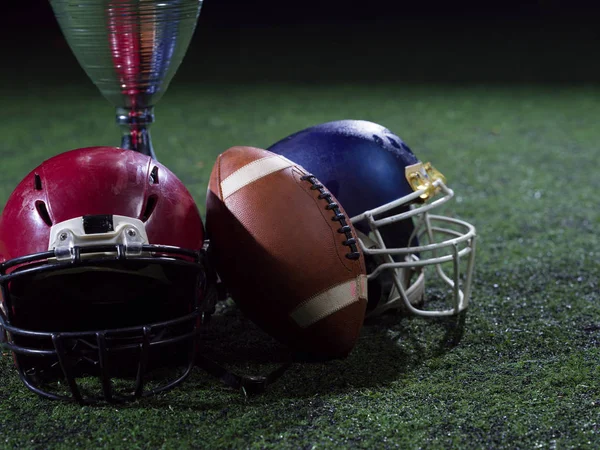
x: 378, y: 139
x: 38, y: 182
x: 154, y: 176
x: 149, y: 209
x: 40, y: 206
x: 394, y: 143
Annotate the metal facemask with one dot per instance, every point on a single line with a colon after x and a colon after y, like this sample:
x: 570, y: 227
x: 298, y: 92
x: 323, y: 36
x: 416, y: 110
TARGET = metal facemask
x: 101, y: 270
x: 439, y: 250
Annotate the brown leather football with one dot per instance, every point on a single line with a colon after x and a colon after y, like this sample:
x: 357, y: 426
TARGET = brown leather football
x: 286, y: 252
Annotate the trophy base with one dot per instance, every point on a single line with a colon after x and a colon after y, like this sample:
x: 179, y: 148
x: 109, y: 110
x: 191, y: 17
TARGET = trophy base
x: 135, y: 125
x: 145, y: 147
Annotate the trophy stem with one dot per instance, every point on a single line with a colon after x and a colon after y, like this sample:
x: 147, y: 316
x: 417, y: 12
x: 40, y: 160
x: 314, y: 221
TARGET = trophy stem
x: 135, y: 124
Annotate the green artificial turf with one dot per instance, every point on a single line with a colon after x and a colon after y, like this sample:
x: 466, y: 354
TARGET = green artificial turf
x: 522, y: 159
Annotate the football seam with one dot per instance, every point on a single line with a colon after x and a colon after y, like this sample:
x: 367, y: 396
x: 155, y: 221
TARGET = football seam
x: 330, y: 224
x: 338, y: 215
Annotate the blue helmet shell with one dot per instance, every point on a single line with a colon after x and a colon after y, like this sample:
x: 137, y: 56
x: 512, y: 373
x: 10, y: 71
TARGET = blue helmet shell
x: 361, y: 163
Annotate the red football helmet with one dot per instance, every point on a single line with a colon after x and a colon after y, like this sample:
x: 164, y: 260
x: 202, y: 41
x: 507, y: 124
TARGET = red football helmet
x: 101, y: 274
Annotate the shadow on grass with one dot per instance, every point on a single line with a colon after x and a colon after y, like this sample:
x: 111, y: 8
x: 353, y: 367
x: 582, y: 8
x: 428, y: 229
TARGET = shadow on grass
x: 388, y: 349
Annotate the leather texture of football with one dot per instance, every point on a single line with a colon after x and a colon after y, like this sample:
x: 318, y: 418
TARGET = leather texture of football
x: 286, y: 252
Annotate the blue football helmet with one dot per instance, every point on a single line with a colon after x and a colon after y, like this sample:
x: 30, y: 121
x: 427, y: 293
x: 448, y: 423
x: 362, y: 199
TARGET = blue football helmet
x: 388, y: 194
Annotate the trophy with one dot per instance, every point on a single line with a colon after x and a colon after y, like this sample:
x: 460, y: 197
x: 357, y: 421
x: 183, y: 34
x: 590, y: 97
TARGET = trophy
x: 130, y: 49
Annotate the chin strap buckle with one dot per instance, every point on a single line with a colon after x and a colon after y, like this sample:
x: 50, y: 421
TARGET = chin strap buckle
x: 423, y: 177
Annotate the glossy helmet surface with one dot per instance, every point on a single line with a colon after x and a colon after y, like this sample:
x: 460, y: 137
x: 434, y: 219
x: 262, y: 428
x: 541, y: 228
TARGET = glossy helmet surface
x: 101, y: 275
x: 389, y: 193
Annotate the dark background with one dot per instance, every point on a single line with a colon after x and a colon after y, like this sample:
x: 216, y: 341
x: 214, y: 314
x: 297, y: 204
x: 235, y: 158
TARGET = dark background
x: 225, y: 13
x: 370, y: 40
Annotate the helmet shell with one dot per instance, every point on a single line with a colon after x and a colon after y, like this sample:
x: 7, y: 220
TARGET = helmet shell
x: 361, y: 163
x: 94, y: 181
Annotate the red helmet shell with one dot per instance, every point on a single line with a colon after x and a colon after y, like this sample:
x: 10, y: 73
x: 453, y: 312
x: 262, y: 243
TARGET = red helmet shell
x: 98, y: 180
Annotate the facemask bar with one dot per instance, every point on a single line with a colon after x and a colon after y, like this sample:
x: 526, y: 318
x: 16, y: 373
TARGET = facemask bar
x: 98, y: 255
x: 457, y: 244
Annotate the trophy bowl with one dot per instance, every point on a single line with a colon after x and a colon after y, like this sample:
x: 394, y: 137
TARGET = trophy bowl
x: 130, y: 49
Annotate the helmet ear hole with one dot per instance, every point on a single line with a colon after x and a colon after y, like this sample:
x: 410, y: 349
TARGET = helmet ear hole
x: 41, y: 209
